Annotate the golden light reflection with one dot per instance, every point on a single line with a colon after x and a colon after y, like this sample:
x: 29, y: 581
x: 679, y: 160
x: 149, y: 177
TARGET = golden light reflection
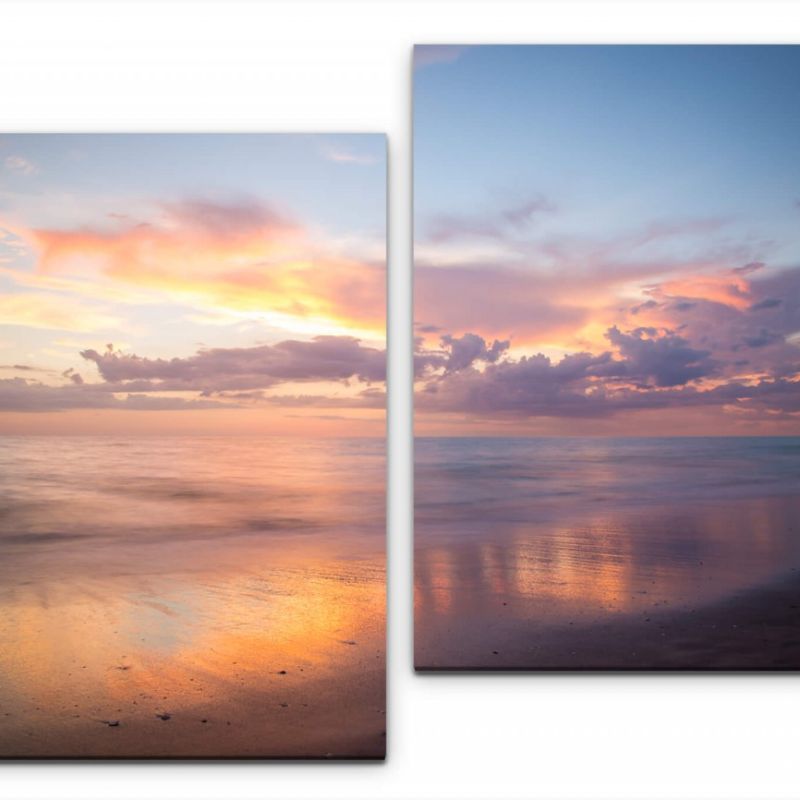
x: 236, y: 581
x: 196, y: 645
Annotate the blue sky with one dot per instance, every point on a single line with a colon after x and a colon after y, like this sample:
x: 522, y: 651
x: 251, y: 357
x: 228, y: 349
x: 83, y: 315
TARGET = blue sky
x: 617, y: 134
x: 333, y: 181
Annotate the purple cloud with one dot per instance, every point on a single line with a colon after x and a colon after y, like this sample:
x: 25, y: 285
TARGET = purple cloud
x: 767, y: 302
x: 464, y: 351
x: 18, y: 394
x: 500, y: 225
x: 666, y: 360
x: 325, y: 358
x: 651, y: 370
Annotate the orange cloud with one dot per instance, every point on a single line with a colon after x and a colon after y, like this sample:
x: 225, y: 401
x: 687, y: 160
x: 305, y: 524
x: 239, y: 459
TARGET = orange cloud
x: 728, y: 289
x: 243, y: 258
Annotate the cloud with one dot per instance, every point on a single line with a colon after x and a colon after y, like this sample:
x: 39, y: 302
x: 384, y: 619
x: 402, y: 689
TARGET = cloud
x: 73, y: 376
x: 18, y: 394
x: 502, y: 224
x: 218, y: 377
x: 651, y: 370
x: 567, y: 306
x: 456, y: 353
x: 480, y: 272
x: 427, y: 54
x: 325, y: 358
x: 672, y: 313
x: 233, y: 221
x: 767, y: 302
x: 21, y: 367
x: 343, y: 155
x: 762, y: 338
x: 727, y: 289
x: 195, y: 235
x: 766, y: 321
x: 464, y: 351
x: 20, y: 165
x: 665, y: 360
x: 241, y: 257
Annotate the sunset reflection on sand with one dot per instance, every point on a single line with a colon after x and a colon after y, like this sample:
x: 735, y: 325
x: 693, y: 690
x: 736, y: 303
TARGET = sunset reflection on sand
x: 252, y: 638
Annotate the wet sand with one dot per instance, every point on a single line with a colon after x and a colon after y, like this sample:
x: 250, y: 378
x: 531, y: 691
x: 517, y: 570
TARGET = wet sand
x: 141, y: 675
x: 598, y: 595
x: 302, y: 720
x: 757, y: 629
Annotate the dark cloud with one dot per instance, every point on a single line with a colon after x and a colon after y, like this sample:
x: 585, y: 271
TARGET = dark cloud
x: 768, y: 302
x: 665, y: 360
x: 530, y: 386
x: 456, y: 353
x: 221, y: 377
x: 653, y: 369
x: 762, y: 338
x: 23, y: 368
x: 649, y: 357
x: 648, y: 305
x: 325, y: 358
x: 464, y: 351
x: 767, y: 323
x: 73, y: 376
x: 534, y: 387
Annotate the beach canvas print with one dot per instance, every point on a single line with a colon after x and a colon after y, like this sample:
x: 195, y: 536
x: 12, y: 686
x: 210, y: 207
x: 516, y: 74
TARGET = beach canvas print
x: 607, y: 357
x: 192, y: 533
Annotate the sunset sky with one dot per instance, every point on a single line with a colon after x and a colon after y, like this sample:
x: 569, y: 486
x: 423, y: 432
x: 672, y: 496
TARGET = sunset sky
x: 192, y: 283
x: 607, y: 240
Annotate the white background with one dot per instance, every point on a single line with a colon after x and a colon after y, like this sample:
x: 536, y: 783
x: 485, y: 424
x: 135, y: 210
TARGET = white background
x: 332, y: 65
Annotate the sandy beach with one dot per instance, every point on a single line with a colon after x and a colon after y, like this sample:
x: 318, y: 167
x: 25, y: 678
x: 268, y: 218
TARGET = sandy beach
x: 621, y: 555
x: 201, y: 608
x: 757, y: 629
